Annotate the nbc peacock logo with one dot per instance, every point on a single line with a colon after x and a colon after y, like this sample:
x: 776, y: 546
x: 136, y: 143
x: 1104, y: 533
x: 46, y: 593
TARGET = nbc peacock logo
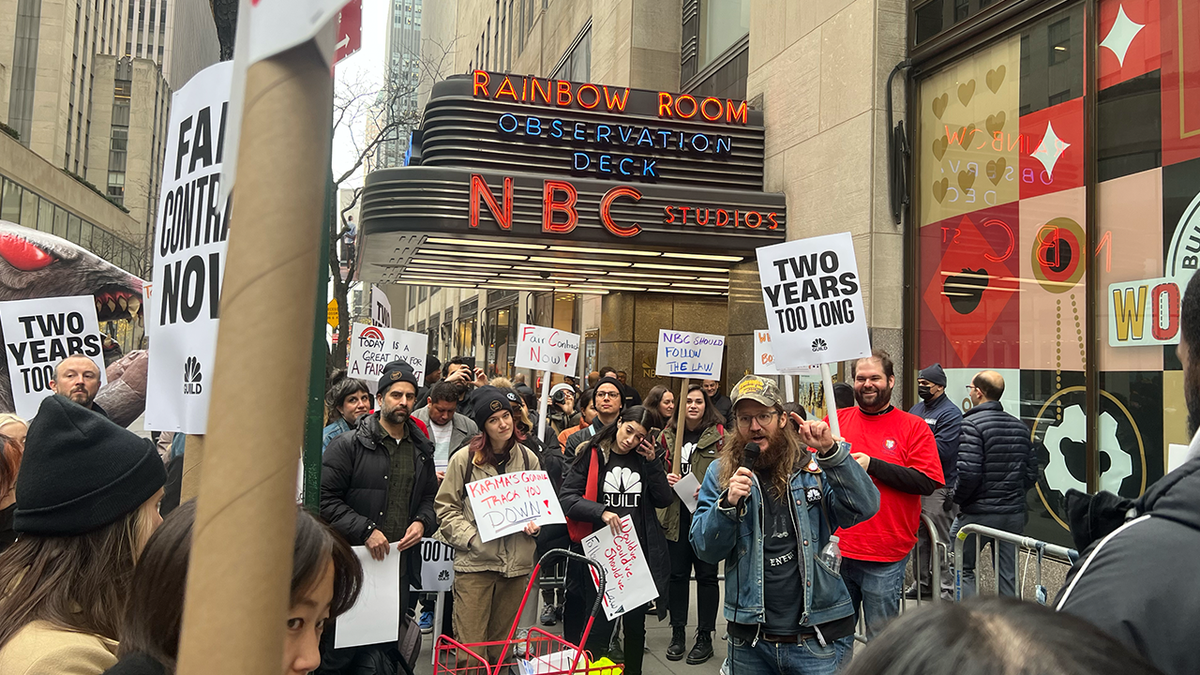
x: 819, y: 345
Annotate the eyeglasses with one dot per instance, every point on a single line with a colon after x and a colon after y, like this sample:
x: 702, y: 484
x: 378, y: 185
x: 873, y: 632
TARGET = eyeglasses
x: 607, y: 394
x: 971, y: 387
x: 763, y: 419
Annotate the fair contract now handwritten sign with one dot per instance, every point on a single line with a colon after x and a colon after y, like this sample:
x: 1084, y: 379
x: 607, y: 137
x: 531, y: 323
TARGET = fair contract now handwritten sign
x: 684, y: 354
x: 547, y: 349
x: 504, y: 504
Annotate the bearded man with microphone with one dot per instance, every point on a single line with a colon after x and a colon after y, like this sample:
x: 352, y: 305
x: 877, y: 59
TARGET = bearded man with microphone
x: 768, y: 507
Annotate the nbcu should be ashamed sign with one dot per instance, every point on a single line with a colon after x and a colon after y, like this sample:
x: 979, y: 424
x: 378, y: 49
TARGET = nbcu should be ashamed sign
x: 813, y: 299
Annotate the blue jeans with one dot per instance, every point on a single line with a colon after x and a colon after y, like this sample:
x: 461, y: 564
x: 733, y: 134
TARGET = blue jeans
x: 773, y: 658
x: 875, y: 589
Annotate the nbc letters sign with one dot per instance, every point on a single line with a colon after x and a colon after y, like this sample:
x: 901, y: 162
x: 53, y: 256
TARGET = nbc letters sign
x: 813, y: 299
x: 40, y: 333
x: 189, y: 256
x: 373, y: 347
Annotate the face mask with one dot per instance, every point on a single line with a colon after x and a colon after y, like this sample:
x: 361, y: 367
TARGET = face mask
x: 923, y: 392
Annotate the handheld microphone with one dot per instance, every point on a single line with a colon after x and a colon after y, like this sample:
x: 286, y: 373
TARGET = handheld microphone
x: 750, y: 456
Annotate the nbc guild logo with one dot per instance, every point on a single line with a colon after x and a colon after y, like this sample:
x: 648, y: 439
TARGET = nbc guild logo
x: 444, y: 575
x: 192, y: 376
x: 818, y: 345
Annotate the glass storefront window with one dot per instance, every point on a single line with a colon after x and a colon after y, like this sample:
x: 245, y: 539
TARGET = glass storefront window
x: 60, y: 222
x: 501, y: 338
x: 29, y: 209
x: 85, y: 234
x: 1005, y: 244
x: 464, y: 338
x: 73, y: 227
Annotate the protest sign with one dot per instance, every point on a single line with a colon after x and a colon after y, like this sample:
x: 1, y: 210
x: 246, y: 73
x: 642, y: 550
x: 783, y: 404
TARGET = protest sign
x: 550, y: 349
x: 813, y: 299
x: 764, y: 358
x: 190, y: 240
x: 373, y: 347
x: 40, y: 333
x: 437, y: 566
x: 684, y: 354
x: 381, y: 308
x: 375, y: 617
x: 504, y: 504
x: 628, y: 582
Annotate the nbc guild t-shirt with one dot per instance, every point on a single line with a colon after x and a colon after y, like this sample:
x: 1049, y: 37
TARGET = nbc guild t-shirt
x: 690, y: 439
x: 623, y: 484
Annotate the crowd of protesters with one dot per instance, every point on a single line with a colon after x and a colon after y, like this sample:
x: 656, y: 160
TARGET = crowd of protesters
x: 813, y: 533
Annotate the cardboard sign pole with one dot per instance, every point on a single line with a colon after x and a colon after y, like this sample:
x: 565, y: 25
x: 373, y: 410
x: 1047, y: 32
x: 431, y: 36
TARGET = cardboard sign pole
x: 680, y: 413
x: 830, y: 402
x: 543, y: 406
x: 193, y: 457
x: 244, y: 535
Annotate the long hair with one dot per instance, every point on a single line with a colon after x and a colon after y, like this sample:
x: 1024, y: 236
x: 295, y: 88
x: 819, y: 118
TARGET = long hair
x: 654, y: 399
x: 11, y: 451
x: 637, y: 413
x: 341, y: 387
x: 155, y: 610
x: 78, y: 583
x: 711, y: 415
x: 775, y: 467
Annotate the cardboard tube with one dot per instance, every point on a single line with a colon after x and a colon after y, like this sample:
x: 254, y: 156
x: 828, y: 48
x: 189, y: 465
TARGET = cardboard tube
x: 240, y: 569
x: 193, y: 458
x: 680, y: 413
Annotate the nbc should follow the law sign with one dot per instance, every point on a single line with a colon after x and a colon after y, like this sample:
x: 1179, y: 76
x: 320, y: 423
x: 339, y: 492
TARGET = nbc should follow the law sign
x: 813, y: 299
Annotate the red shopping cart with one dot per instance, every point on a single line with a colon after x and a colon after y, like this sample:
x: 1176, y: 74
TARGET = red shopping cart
x: 541, y: 653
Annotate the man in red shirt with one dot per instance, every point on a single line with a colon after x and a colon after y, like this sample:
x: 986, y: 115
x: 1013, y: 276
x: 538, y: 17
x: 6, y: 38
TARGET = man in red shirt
x: 900, y: 455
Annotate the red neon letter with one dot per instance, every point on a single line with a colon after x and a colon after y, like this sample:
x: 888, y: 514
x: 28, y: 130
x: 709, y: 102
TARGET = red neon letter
x: 1157, y: 329
x: 616, y: 101
x: 679, y: 106
x: 704, y: 109
x: 664, y: 105
x: 606, y: 205
x: 481, y: 83
x: 595, y: 93
x: 550, y: 206
x: 738, y: 114
x: 563, y: 89
x: 536, y: 88
x: 506, y: 87
x: 479, y: 188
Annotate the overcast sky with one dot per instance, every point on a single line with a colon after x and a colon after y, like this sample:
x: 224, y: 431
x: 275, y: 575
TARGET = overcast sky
x: 364, y: 67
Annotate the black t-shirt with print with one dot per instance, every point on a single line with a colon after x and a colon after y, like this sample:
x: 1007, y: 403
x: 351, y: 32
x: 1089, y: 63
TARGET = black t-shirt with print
x: 623, y: 488
x: 690, y: 439
x: 782, y: 584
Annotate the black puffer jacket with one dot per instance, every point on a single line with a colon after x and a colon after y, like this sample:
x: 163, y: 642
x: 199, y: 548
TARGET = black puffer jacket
x: 354, y: 486
x: 996, y: 462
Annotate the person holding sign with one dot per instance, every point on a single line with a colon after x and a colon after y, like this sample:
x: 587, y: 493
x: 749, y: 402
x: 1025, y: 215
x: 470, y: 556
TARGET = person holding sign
x: 703, y: 438
x: 898, y: 451
x: 768, y: 505
x: 616, y: 474
x: 489, y: 576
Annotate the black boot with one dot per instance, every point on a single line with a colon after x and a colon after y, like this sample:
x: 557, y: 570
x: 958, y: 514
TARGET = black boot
x: 678, y: 643
x: 703, y: 649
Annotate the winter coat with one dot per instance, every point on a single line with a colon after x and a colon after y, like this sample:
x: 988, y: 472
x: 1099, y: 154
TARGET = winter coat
x: 463, y: 428
x: 565, y: 435
x: 41, y: 648
x: 945, y: 421
x: 735, y: 534
x: 657, y: 492
x: 559, y: 421
x: 354, y: 486
x: 1138, y: 584
x: 571, y: 447
x: 510, y: 555
x: 710, y: 443
x: 137, y: 664
x: 996, y: 462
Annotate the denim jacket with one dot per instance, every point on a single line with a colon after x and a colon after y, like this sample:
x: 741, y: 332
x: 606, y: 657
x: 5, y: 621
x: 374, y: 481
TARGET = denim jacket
x: 735, y: 535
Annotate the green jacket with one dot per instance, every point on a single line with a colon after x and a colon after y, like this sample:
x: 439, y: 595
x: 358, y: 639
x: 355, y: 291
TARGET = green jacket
x: 707, y: 448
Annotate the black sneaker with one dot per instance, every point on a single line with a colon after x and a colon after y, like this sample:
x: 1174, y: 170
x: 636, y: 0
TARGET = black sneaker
x: 703, y: 649
x: 549, y: 615
x: 678, y: 643
x: 616, y: 653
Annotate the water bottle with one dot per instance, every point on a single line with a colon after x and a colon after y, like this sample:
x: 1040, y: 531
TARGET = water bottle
x: 831, y: 554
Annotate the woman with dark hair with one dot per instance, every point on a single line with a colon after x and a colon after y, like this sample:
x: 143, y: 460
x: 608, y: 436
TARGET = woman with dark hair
x: 994, y: 636
x: 87, y: 501
x: 347, y: 400
x: 326, y: 580
x: 10, y: 462
x: 703, y: 437
x: 616, y: 474
x: 662, y: 401
x: 489, y: 576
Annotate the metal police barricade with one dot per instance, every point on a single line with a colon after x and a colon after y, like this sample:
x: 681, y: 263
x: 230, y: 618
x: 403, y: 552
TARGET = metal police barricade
x: 939, y: 551
x: 1036, y: 549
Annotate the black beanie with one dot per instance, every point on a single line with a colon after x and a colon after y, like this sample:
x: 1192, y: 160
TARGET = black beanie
x: 81, y: 472
x: 396, y: 371
x: 934, y: 374
x: 609, y: 379
x: 488, y: 401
